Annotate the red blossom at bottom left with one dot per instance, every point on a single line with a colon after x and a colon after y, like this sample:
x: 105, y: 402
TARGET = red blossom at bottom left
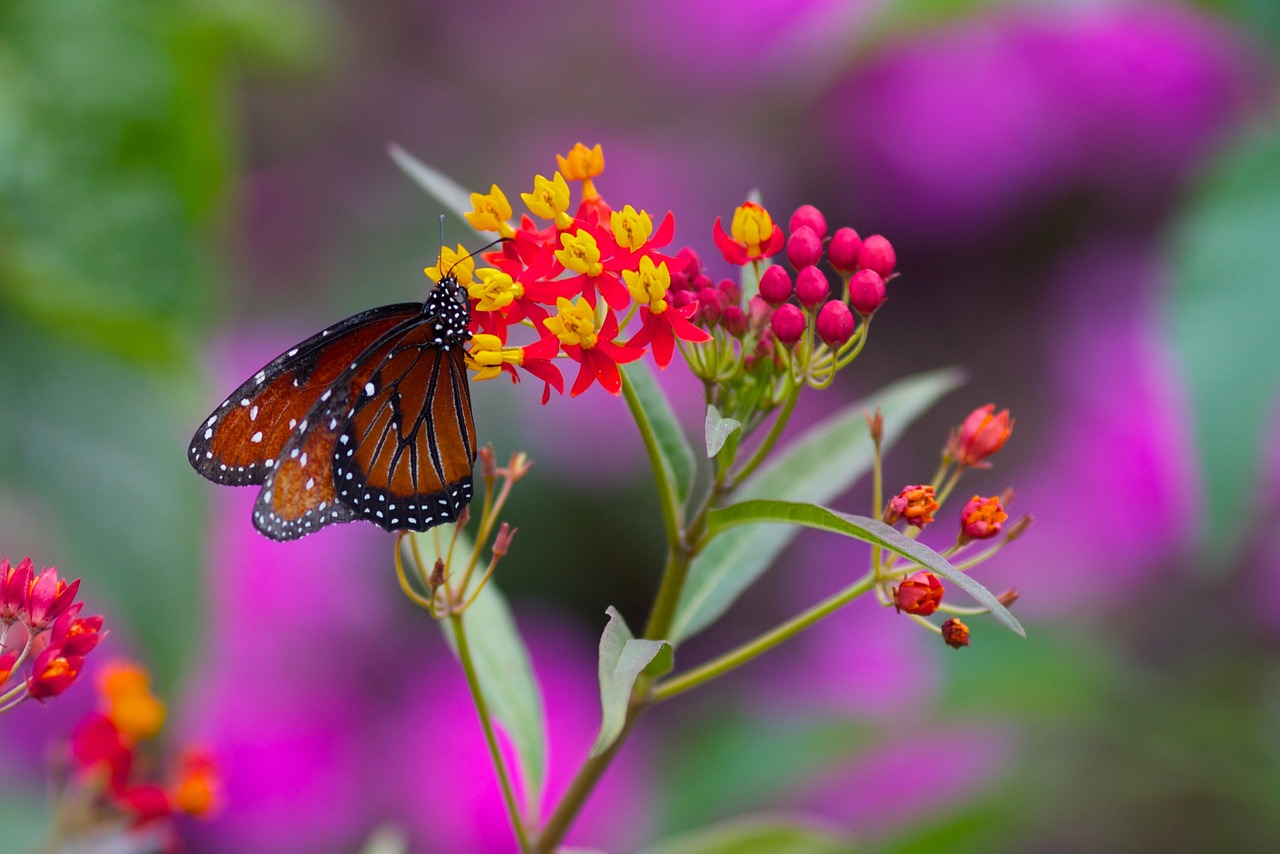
x: 43, y: 638
x: 113, y: 766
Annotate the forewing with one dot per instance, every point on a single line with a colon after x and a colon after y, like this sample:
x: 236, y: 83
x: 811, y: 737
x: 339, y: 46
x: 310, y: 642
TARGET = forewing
x: 240, y: 440
x: 404, y: 459
x: 297, y: 494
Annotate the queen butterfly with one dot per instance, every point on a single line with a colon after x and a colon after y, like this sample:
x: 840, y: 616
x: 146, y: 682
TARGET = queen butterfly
x: 368, y: 419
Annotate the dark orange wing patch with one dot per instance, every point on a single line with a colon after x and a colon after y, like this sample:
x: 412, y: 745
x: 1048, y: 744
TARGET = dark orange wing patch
x: 240, y: 441
x: 404, y: 460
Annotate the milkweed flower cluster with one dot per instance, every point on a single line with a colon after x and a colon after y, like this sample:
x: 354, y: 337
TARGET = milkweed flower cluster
x: 592, y: 286
x: 919, y: 592
x: 41, y: 633
x: 111, y: 795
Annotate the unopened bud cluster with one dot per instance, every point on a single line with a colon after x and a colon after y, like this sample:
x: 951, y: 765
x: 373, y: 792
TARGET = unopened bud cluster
x: 982, y: 518
x: 794, y: 323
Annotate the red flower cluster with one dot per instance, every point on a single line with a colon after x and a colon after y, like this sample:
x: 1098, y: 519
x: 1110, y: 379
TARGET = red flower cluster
x: 40, y: 622
x: 570, y: 282
x: 105, y: 749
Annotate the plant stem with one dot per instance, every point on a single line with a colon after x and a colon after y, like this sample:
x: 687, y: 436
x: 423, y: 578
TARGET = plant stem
x: 779, y: 424
x: 761, y: 644
x: 666, y: 494
x: 580, y: 789
x: 482, y: 708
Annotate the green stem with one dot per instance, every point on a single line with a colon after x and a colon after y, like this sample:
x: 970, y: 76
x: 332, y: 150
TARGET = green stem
x: 580, y: 789
x: 482, y: 708
x: 775, y: 433
x: 666, y: 494
x: 746, y: 652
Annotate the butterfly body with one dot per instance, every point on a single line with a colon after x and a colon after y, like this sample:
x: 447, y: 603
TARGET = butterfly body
x: 368, y: 419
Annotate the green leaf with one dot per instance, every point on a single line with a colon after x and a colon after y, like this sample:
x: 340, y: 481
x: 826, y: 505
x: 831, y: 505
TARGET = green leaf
x: 861, y: 528
x: 1225, y: 291
x: 673, y: 447
x: 718, y: 430
x: 502, y: 665
x: 623, y: 658
x: 386, y: 839
x: 756, y: 835
x: 821, y: 465
x: 452, y: 195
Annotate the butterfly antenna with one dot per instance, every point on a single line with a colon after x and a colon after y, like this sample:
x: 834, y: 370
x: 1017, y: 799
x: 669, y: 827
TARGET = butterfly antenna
x: 476, y: 252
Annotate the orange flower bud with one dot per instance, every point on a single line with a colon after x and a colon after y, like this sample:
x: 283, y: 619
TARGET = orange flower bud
x: 955, y: 633
x: 919, y: 594
x: 980, y: 436
x: 981, y: 519
x: 913, y: 503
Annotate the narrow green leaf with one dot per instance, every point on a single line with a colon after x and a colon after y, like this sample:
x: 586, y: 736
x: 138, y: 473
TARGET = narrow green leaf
x: 756, y: 835
x: 673, y: 446
x: 1225, y: 291
x: 452, y: 195
x: 623, y: 658
x: 819, y: 466
x: 861, y: 528
x: 502, y: 666
x: 718, y: 430
x: 386, y: 839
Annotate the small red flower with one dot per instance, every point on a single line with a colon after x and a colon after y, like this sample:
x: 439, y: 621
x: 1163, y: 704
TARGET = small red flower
x: 919, y: 594
x: 955, y: 633
x: 197, y: 791
x: 754, y: 235
x: 15, y: 587
x: 915, y: 504
x: 52, y: 673
x: 594, y: 351
x: 49, y: 597
x: 981, y: 518
x: 96, y: 743
x: 75, y: 634
x: 980, y: 436
x: 147, y: 802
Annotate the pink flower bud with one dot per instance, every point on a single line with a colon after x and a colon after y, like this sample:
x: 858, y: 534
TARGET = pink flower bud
x: 835, y: 324
x: 808, y: 215
x: 693, y: 265
x: 732, y: 292
x: 812, y: 286
x: 712, y: 304
x: 982, y: 434
x: 843, y: 250
x: 804, y: 249
x: 700, y: 281
x: 866, y: 291
x: 734, y: 321
x: 877, y: 254
x: 679, y: 282
x: 775, y: 285
x: 788, y: 324
x: 680, y: 299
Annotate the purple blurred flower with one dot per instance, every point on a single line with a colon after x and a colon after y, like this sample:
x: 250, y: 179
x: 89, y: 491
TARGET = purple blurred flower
x: 962, y: 130
x: 333, y: 708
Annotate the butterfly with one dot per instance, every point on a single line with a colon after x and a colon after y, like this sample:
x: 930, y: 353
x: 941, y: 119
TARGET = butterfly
x: 367, y: 419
